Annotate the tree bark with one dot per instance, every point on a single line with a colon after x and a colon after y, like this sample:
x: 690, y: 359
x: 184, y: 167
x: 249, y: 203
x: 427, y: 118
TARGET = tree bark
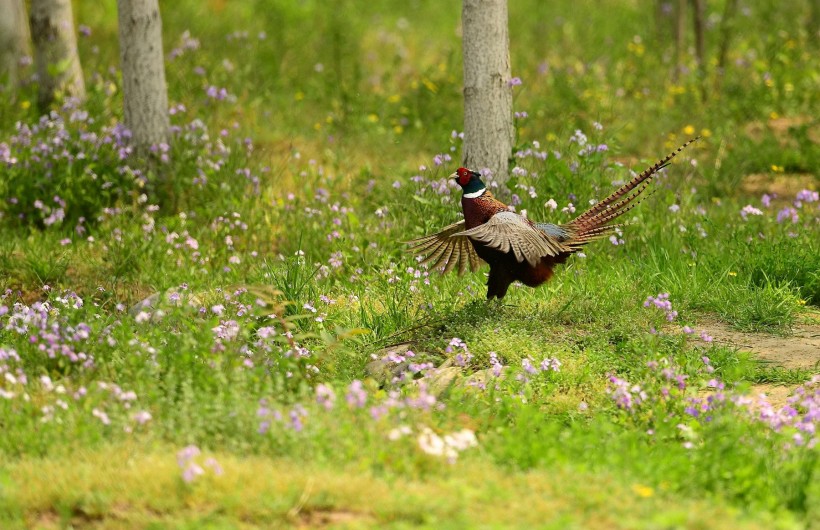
x: 145, y: 95
x: 699, y: 8
x: 813, y: 22
x: 488, y: 122
x: 680, y: 36
x: 15, y: 39
x: 726, y: 27
x: 55, y: 50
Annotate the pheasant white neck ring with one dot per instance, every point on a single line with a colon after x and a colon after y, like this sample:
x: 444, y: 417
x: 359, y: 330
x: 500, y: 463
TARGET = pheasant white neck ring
x: 475, y: 194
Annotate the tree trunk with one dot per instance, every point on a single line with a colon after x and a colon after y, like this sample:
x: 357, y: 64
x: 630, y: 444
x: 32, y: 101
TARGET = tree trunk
x: 699, y: 8
x: 55, y: 50
x: 488, y: 123
x: 813, y: 22
x: 680, y: 36
x: 15, y: 39
x: 726, y: 27
x: 145, y: 95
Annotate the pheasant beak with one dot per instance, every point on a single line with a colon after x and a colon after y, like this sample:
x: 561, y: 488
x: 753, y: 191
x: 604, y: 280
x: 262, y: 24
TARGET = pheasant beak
x: 454, y: 176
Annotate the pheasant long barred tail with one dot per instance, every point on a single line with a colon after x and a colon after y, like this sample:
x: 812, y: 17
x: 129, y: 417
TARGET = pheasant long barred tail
x: 605, y: 209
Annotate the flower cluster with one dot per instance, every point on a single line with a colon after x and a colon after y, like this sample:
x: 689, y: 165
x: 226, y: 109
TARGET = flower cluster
x: 449, y: 445
x: 188, y: 461
x: 626, y: 395
x: 799, y: 418
x: 661, y: 302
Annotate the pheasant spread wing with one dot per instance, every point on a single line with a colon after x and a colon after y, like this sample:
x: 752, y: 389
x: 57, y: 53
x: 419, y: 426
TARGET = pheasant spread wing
x: 509, y: 232
x: 443, y: 250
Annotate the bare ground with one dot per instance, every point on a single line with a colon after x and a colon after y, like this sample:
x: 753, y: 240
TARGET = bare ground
x: 800, y: 349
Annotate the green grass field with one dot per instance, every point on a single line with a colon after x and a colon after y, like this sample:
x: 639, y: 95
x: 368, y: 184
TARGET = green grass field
x: 236, y: 337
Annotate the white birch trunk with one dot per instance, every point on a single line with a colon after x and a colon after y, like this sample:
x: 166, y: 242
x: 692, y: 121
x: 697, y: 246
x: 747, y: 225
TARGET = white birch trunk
x: 15, y: 39
x: 145, y: 95
x: 488, y: 120
x: 55, y: 50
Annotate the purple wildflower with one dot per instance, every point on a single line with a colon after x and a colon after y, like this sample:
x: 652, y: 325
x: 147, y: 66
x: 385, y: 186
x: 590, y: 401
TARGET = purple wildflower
x: 356, y: 395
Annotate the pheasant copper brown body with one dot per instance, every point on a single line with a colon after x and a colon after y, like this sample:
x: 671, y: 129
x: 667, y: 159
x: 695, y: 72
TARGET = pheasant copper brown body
x: 515, y: 247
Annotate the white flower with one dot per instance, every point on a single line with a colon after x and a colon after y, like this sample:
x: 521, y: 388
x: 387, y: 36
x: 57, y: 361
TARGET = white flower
x: 398, y: 432
x: 448, y: 446
x: 461, y: 440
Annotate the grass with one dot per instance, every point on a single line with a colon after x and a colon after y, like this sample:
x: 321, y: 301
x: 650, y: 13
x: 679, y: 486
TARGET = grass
x: 268, y: 252
x: 265, y: 493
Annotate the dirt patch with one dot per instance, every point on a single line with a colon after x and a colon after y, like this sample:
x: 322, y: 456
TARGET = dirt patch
x: 332, y: 518
x: 776, y: 395
x: 781, y: 127
x: 784, y: 185
x: 801, y: 349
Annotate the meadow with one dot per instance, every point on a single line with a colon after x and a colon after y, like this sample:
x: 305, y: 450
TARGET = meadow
x: 234, y: 336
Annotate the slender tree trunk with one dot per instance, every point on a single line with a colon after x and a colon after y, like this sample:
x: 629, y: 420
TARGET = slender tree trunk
x: 813, y: 22
x: 145, y: 95
x: 699, y: 8
x: 680, y: 38
x: 664, y: 21
x: 15, y: 39
x: 488, y: 123
x: 726, y: 27
x: 55, y: 50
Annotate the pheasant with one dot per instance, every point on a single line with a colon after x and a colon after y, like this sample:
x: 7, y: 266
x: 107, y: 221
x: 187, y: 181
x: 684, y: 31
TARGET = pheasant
x: 515, y: 247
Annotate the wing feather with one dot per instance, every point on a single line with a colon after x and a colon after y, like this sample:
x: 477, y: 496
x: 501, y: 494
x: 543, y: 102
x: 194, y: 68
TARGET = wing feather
x: 509, y: 232
x: 442, y: 251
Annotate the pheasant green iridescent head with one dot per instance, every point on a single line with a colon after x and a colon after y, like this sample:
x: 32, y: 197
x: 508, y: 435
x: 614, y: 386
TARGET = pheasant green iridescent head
x: 470, y: 182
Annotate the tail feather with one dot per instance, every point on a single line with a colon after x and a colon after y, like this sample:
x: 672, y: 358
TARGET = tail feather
x: 643, y: 177
x: 593, y: 234
x: 592, y: 224
x: 622, y: 206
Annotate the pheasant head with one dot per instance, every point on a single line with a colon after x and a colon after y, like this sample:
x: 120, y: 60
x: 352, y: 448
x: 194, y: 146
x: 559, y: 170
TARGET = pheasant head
x: 470, y: 182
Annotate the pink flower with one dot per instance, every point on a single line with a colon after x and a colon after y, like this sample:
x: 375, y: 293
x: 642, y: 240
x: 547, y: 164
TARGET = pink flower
x: 749, y: 210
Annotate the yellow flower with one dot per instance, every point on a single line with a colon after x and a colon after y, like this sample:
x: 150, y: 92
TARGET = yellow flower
x: 636, y: 47
x: 732, y: 273
x: 25, y: 104
x: 398, y: 129
x: 643, y: 491
x: 689, y: 130
x: 299, y: 96
x: 774, y: 115
x: 778, y: 169
x: 801, y: 302
x: 372, y: 118
x: 394, y: 98
x: 706, y: 133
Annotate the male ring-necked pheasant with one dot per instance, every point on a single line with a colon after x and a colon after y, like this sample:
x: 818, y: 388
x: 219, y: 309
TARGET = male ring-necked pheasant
x: 515, y: 247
